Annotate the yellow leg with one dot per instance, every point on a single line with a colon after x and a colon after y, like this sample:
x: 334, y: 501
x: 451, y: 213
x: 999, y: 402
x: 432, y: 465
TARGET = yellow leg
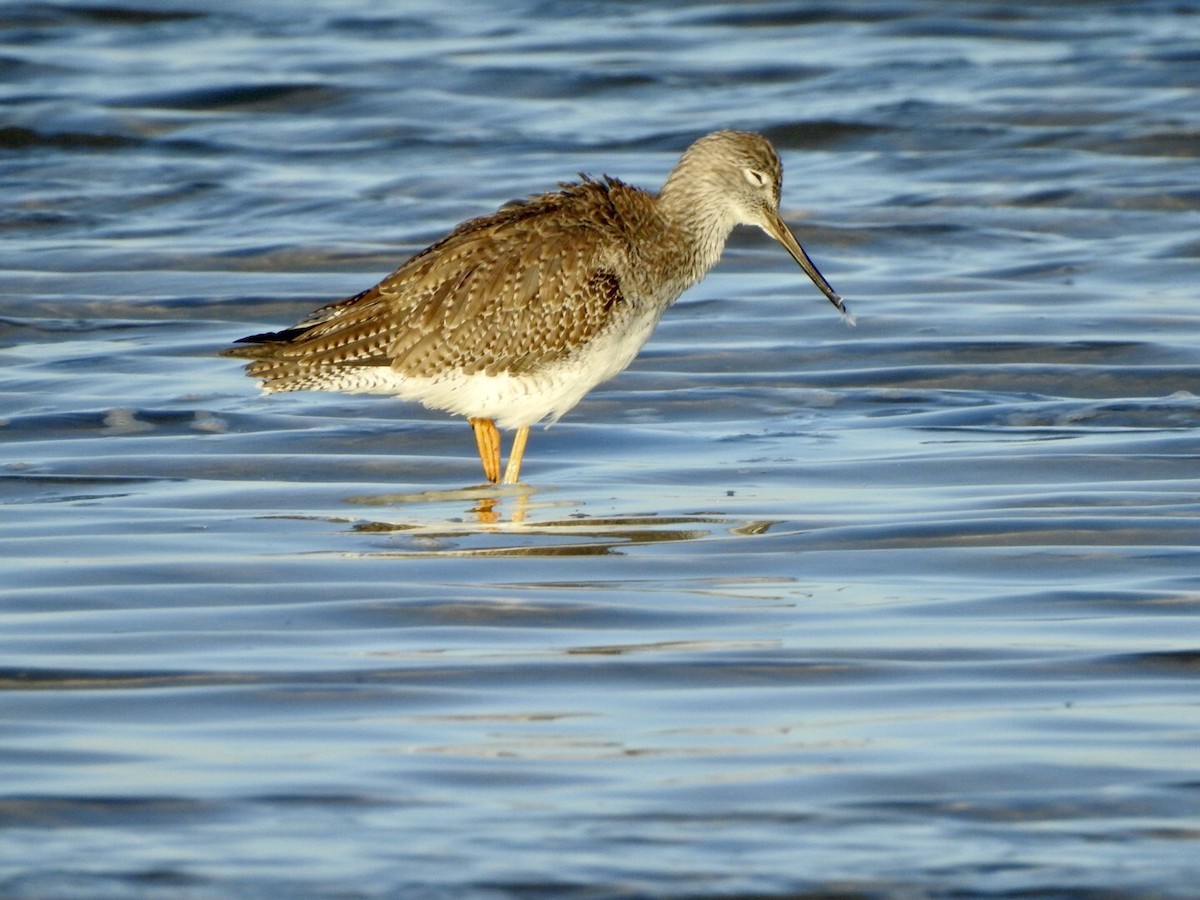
x: 513, y: 472
x: 487, y: 438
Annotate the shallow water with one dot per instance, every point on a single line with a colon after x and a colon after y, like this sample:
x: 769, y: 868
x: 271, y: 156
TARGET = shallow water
x: 787, y: 609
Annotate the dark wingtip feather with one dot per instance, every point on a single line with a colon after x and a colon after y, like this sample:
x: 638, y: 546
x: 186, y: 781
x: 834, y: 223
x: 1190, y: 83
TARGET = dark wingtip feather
x: 262, y: 344
x: 275, y: 337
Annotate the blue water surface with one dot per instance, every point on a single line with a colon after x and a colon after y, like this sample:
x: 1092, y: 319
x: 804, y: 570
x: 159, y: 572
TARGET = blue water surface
x: 788, y: 609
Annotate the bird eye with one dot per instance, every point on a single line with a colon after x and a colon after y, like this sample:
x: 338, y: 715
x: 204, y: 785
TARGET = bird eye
x: 755, y: 177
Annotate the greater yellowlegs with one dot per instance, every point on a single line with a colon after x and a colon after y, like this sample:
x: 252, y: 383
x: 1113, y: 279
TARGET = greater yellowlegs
x: 511, y: 318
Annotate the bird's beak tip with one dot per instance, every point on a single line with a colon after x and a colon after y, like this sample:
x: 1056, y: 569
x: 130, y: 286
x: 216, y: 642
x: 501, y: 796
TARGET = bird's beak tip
x: 778, y: 229
x: 840, y: 305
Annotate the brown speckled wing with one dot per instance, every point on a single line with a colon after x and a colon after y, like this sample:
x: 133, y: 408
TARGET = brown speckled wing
x: 505, y: 292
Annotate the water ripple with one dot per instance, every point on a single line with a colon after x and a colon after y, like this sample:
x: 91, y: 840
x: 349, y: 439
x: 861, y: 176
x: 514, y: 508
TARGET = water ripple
x: 782, y: 591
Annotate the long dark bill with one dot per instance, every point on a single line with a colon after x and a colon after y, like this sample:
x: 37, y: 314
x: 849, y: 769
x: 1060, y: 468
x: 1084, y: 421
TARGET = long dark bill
x: 778, y: 229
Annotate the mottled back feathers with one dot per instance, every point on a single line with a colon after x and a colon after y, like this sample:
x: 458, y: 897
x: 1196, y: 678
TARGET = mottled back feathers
x: 507, y: 292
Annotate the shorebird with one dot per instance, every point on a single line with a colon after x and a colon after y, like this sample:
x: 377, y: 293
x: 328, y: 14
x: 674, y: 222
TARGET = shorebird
x: 513, y: 317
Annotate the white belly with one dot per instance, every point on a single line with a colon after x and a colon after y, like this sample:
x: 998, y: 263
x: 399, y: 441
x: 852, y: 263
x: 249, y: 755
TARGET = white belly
x: 513, y: 401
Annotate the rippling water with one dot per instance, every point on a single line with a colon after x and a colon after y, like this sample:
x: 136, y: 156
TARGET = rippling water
x: 787, y: 609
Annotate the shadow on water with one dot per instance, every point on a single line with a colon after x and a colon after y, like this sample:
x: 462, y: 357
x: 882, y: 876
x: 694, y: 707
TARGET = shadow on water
x: 508, y: 521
